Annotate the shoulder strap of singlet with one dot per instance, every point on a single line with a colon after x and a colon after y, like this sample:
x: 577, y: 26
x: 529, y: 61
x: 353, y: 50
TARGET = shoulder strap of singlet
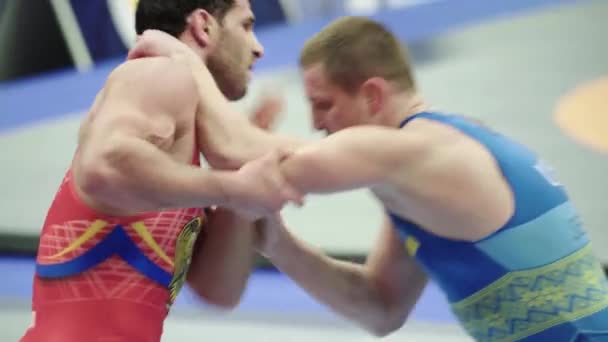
x: 415, y: 116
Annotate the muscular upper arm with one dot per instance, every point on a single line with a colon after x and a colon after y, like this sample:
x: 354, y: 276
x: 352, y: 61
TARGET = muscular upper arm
x: 138, y: 113
x: 395, y: 273
x: 149, y: 90
x: 144, y: 100
x: 353, y: 158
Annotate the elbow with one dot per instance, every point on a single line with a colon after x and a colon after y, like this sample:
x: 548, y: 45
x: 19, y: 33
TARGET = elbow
x: 392, y: 308
x: 219, y: 295
x: 94, y: 180
x: 218, y: 299
x: 99, y: 174
x: 225, y: 303
x: 385, y: 327
x: 223, y: 160
x: 389, y: 319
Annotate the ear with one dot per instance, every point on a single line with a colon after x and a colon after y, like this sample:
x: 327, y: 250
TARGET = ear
x: 202, y: 27
x: 374, y: 92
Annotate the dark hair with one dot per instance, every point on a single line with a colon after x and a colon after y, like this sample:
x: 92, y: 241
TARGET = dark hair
x: 170, y: 15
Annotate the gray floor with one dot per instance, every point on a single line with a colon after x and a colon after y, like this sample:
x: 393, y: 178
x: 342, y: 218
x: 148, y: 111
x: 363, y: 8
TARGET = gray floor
x: 269, y: 328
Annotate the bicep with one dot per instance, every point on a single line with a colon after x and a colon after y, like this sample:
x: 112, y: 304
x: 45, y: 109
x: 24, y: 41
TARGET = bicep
x: 317, y: 171
x: 145, y: 99
x: 138, y: 112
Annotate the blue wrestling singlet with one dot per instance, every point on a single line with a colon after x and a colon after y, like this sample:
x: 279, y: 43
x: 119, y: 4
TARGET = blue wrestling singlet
x: 536, y: 279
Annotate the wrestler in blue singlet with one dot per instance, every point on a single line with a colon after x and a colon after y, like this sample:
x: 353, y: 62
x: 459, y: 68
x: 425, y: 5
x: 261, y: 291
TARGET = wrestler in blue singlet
x: 536, y: 279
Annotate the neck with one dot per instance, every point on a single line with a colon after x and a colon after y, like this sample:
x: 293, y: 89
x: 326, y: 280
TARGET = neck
x: 404, y: 106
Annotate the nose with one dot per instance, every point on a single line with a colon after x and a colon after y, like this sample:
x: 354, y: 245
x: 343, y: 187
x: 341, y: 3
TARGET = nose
x: 317, y: 121
x: 258, y: 49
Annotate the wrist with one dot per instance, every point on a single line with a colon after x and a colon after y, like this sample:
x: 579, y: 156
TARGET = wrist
x: 283, y: 246
x: 228, y: 189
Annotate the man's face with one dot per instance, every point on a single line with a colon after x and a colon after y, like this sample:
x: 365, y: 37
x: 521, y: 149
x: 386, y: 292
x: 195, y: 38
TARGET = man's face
x: 236, y: 50
x: 333, y: 109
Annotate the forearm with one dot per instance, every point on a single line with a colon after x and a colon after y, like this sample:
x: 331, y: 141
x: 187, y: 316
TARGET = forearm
x: 227, y: 138
x: 231, y: 148
x: 344, y: 287
x: 312, y: 170
x: 223, y: 259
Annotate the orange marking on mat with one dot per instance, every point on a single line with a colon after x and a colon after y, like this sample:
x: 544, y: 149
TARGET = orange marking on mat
x: 583, y: 114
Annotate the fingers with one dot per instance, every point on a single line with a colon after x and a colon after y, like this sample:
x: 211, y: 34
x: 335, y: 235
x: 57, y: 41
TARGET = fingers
x: 153, y: 43
x: 252, y: 213
x: 262, y: 120
x: 273, y: 190
x: 283, y: 154
x: 140, y: 49
x: 267, y: 114
x: 292, y: 195
x: 135, y: 53
x: 288, y: 192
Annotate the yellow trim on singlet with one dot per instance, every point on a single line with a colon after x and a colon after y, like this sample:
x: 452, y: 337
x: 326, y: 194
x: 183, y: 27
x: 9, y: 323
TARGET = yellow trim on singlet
x: 411, y: 245
x: 89, y: 233
x: 141, y: 230
x: 97, y: 226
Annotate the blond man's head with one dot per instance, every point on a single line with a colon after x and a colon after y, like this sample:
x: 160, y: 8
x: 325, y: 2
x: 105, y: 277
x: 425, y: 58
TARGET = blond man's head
x: 353, y: 49
x: 352, y: 69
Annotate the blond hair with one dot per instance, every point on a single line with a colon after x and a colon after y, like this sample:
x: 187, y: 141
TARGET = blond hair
x: 354, y: 49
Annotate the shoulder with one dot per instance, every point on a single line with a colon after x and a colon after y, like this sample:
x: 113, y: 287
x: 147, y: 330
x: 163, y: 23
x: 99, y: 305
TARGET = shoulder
x: 369, y: 137
x: 152, y: 69
x: 441, y: 138
x: 156, y: 81
x: 457, y: 157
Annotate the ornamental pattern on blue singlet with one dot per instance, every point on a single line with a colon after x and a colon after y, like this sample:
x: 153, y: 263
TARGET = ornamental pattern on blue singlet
x: 523, y: 303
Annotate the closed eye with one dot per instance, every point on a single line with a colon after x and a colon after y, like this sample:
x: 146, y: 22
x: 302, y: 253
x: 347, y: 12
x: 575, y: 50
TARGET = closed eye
x: 322, y: 105
x: 249, y: 24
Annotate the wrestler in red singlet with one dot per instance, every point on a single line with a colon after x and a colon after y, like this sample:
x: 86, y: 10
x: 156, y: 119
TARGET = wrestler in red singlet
x: 102, y: 278
x: 123, y: 271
